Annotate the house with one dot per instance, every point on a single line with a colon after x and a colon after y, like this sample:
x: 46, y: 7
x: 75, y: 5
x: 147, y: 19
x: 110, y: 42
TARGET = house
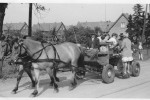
x: 120, y: 25
x: 103, y: 25
x: 21, y: 28
x: 48, y: 28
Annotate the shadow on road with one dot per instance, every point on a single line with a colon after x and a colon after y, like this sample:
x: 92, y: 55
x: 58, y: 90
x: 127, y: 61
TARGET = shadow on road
x: 66, y: 82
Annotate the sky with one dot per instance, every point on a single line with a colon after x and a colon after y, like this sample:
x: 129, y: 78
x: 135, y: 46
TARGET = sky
x: 68, y: 13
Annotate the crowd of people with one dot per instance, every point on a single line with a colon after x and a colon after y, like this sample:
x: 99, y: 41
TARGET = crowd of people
x: 122, y: 42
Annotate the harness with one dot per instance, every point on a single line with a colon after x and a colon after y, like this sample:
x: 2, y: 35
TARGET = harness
x: 31, y: 60
x: 37, y: 60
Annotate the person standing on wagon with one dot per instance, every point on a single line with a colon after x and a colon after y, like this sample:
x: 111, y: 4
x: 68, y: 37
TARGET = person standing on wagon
x: 140, y: 50
x: 94, y: 42
x: 126, y: 54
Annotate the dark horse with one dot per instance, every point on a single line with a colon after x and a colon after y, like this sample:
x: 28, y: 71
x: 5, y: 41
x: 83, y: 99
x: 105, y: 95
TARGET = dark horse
x: 48, y: 57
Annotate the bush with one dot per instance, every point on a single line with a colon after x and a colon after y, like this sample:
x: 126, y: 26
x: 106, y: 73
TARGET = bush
x: 8, y: 71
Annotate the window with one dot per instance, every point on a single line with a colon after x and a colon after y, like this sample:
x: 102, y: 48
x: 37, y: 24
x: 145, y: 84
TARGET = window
x: 123, y: 25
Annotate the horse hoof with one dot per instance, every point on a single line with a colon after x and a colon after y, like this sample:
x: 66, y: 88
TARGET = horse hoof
x: 34, y: 94
x: 72, y: 88
x: 13, y: 92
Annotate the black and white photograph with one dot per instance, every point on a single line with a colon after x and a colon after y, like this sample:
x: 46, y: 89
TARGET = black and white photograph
x: 74, y: 49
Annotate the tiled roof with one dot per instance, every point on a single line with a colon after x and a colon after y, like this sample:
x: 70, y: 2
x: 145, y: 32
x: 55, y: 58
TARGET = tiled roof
x: 104, y: 25
x: 46, y: 26
x: 13, y: 26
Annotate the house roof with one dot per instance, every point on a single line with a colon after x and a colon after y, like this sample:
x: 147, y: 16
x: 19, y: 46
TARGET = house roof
x: 47, y: 26
x: 14, y: 26
x: 126, y: 15
x: 104, y: 25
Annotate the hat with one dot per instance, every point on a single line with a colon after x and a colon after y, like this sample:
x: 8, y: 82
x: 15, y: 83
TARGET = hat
x: 121, y: 35
x: 115, y: 34
x: 93, y: 34
x: 126, y: 35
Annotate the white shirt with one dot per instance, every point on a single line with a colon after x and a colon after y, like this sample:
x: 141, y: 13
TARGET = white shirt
x: 113, y: 40
x: 140, y: 46
x: 99, y: 38
x: 92, y: 39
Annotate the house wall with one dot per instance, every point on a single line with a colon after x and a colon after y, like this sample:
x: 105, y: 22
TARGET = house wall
x: 117, y: 27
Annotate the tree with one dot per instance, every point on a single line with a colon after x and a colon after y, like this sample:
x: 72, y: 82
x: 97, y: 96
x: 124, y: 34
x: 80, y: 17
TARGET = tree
x: 130, y: 29
x: 98, y: 30
x: 138, y: 20
x: 147, y: 31
x: 78, y: 35
x: 3, y: 7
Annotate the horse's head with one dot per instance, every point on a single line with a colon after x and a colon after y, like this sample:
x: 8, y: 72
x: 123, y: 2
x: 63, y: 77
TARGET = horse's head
x: 6, y: 48
x: 18, y: 51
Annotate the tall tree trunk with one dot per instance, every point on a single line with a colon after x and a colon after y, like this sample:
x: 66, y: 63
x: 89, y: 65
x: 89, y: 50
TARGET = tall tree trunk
x: 3, y: 7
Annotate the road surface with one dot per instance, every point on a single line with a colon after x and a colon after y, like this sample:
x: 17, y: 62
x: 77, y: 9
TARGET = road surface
x: 90, y: 87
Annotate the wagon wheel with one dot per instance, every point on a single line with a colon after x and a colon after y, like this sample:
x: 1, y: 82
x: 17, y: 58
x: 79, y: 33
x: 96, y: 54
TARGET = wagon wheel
x: 135, y: 69
x: 108, y: 74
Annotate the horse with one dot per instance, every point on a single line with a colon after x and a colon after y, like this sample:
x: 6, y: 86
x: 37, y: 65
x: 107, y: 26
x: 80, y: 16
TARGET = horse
x: 49, y: 57
x: 6, y: 46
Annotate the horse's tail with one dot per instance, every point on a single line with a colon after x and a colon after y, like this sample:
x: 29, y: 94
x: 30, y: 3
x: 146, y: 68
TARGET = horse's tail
x: 81, y: 58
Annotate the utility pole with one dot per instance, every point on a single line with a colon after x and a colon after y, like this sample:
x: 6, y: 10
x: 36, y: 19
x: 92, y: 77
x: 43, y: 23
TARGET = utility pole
x: 30, y: 20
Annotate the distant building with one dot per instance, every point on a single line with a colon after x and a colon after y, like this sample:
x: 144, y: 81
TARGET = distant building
x: 48, y: 28
x: 120, y: 25
x: 21, y: 28
x: 103, y: 25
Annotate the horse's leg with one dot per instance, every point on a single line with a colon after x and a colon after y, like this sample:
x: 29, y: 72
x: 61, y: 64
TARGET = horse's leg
x: 73, y: 78
x: 36, y: 72
x: 28, y: 71
x: 55, y: 71
x: 53, y: 81
x: 21, y: 70
x: 55, y: 77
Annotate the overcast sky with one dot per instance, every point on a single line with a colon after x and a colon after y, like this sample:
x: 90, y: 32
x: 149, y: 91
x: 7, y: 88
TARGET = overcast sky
x: 69, y: 14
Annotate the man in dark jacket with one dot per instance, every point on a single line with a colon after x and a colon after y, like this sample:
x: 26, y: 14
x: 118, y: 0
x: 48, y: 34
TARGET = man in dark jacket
x: 93, y: 42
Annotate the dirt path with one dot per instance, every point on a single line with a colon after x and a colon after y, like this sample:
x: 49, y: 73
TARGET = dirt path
x: 90, y: 87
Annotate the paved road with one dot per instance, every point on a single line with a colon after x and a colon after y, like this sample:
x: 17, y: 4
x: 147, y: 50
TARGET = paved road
x: 90, y: 87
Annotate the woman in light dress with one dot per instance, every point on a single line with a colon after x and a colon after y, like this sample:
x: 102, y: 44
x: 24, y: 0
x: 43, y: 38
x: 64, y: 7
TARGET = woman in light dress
x: 126, y: 54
